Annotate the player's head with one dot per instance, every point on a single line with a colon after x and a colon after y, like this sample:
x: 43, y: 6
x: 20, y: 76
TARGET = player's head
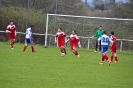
x: 11, y: 22
x: 73, y: 32
x: 100, y: 27
x: 112, y: 33
x: 59, y: 29
x: 31, y: 26
x: 104, y: 32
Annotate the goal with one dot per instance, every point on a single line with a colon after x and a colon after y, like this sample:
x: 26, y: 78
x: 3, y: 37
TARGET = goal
x: 86, y: 27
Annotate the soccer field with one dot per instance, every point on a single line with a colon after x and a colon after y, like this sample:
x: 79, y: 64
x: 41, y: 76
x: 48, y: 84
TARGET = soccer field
x: 47, y: 69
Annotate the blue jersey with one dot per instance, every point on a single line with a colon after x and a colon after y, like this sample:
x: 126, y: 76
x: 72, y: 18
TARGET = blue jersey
x: 28, y: 33
x: 104, y: 40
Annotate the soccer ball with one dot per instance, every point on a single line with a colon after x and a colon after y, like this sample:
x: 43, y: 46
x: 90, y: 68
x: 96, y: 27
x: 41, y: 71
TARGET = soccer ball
x: 62, y: 54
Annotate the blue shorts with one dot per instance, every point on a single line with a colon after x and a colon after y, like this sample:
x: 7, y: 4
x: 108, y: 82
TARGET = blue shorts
x: 28, y: 41
x: 104, y: 48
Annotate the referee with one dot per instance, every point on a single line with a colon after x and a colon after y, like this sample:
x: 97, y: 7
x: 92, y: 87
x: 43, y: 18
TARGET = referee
x: 98, y: 33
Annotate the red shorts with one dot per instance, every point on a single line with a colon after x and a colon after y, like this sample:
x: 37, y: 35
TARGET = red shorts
x: 72, y: 46
x: 11, y: 36
x: 60, y: 44
x: 113, y: 49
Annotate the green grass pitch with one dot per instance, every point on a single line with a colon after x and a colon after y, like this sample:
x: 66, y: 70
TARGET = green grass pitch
x: 47, y: 69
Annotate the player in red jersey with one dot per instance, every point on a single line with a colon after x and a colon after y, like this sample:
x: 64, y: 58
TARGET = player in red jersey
x: 113, y: 47
x: 11, y: 30
x: 73, y: 42
x: 60, y: 37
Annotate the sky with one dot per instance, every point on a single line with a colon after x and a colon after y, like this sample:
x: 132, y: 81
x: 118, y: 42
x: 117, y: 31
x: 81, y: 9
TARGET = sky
x: 103, y: 0
x: 90, y: 1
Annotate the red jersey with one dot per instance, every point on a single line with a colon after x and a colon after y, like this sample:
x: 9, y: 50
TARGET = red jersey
x: 74, y: 39
x: 11, y: 28
x: 61, y: 37
x: 113, y: 38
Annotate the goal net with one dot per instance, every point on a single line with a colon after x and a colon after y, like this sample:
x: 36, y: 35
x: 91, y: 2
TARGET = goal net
x: 86, y: 27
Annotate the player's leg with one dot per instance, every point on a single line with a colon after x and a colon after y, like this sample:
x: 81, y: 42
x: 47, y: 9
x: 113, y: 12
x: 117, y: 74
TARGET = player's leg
x: 73, y: 48
x: 96, y: 46
x: 11, y: 40
x: 115, y: 56
x: 61, y: 48
x: 104, y: 55
x: 32, y: 45
x: 112, y: 54
x: 64, y: 50
x: 27, y: 41
x: 11, y: 43
x: 100, y: 46
x: 62, y: 45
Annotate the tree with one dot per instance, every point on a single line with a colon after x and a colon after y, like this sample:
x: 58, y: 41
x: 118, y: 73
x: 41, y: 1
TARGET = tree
x: 98, y: 4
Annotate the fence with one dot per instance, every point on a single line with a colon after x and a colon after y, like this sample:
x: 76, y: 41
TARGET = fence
x: 122, y: 44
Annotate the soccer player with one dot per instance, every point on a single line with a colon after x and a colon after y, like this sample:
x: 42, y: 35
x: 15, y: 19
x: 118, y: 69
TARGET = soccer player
x: 29, y: 39
x: 113, y: 47
x: 11, y: 30
x: 104, y: 46
x: 98, y: 33
x: 60, y: 37
x: 73, y: 42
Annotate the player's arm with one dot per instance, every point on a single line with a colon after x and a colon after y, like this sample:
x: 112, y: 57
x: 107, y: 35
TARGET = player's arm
x: 95, y: 35
x: 78, y: 40
x: 7, y: 30
x: 30, y: 34
x: 99, y: 41
x: 79, y: 43
x: 111, y: 42
x: 55, y: 39
x: 67, y: 40
x: 15, y: 30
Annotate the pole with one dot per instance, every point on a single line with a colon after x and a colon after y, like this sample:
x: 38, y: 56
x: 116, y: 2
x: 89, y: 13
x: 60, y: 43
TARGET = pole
x: 27, y: 15
x: 55, y: 16
x: 46, y: 33
x: 84, y: 18
x: 113, y: 5
x: 0, y: 5
x: 121, y: 46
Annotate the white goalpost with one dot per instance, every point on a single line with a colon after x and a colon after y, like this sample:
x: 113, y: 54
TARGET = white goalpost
x: 89, y: 38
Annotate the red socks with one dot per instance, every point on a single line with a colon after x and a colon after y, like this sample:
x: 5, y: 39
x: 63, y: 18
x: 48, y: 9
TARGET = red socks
x: 112, y: 58
x: 104, y: 57
x: 116, y: 59
x: 61, y: 50
x: 24, y: 48
x: 32, y: 47
x: 12, y: 44
x: 75, y: 52
x: 64, y: 50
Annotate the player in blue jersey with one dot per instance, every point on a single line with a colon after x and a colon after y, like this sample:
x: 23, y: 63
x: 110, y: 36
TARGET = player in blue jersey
x: 29, y: 39
x: 104, y: 46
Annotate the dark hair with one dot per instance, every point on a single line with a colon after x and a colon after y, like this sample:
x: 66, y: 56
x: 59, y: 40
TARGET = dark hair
x: 104, y: 32
x: 100, y: 26
x: 31, y: 25
x: 74, y: 31
x: 112, y: 33
x: 11, y: 21
x: 60, y: 29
